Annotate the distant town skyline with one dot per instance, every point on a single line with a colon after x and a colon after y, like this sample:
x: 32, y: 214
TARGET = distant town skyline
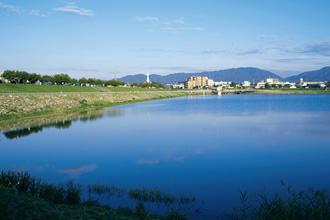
x: 100, y: 38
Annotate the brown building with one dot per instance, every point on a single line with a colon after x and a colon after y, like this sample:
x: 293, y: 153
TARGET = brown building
x: 196, y: 81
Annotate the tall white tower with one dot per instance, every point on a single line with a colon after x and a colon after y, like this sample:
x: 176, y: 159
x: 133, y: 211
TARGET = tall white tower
x: 148, y: 80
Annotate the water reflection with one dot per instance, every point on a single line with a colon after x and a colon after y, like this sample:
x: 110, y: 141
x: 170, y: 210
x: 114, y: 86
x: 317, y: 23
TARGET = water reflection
x: 25, y: 128
x: 75, y: 172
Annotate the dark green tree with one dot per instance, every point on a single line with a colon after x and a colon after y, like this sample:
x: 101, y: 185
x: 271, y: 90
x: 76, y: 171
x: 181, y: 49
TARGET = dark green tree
x: 114, y: 83
x: 47, y: 79
x: 267, y: 86
x: 61, y: 79
x: 83, y: 81
x: 33, y: 78
x: 74, y: 81
x: 91, y: 81
x: 10, y: 75
x: 232, y: 84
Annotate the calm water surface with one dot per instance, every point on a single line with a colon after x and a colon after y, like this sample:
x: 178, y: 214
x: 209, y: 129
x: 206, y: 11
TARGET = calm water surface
x: 208, y: 146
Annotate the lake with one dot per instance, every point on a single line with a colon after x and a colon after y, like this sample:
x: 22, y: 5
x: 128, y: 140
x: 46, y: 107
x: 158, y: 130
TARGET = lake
x: 207, y: 146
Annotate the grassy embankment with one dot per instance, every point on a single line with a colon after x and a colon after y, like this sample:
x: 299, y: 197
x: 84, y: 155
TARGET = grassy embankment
x: 89, y: 99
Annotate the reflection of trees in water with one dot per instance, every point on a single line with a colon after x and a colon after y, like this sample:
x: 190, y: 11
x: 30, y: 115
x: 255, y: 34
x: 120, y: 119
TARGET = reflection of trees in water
x: 94, y: 115
x: 22, y: 132
x: 61, y: 122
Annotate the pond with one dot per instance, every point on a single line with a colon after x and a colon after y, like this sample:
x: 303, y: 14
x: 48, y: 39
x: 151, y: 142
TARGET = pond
x: 207, y: 146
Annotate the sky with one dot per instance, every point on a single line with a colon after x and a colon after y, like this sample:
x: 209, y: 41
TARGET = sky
x: 96, y: 39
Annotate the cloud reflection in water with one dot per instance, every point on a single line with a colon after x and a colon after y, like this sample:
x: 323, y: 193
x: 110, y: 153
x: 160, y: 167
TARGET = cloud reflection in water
x: 75, y: 172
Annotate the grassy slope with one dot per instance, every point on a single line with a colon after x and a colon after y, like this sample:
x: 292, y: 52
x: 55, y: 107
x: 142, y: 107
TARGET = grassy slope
x: 9, y: 118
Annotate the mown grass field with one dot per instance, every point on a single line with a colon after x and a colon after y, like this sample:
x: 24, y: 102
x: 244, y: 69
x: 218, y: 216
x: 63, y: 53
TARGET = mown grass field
x: 20, y: 88
x: 130, y: 89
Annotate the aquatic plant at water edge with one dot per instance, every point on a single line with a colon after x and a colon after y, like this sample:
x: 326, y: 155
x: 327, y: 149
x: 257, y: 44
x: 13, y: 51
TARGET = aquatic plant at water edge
x: 22, y: 181
x: 308, y: 204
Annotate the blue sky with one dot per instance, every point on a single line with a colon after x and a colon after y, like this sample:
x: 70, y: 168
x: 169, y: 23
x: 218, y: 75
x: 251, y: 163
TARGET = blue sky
x: 97, y: 38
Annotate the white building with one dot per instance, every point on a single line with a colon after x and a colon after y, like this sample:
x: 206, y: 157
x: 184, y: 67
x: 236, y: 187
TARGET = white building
x: 210, y: 82
x: 246, y: 84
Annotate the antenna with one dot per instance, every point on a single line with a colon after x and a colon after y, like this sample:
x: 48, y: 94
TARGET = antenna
x: 115, y: 76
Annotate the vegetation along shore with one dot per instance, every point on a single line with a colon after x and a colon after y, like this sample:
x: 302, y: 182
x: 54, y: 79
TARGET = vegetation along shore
x: 23, y: 196
x: 30, y: 101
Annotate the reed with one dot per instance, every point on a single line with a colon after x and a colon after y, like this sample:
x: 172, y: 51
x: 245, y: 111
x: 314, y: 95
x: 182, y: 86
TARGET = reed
x: 306, y: 204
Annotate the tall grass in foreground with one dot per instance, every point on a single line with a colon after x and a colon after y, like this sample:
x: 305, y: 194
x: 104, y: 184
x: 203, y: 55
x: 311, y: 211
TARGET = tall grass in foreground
x: 22, y: 181
x: 309, y: 204
x: 73, y: 194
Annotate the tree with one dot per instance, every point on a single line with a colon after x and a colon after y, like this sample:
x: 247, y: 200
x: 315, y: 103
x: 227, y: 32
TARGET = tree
x: 61, y: 79
x: 33, y: 78
x: 280, y: 86
x: 267, y: 86
x: 115, y: 83
x: 47, y: 79
x: 91, y: 81
x: 233, y: 84
x: 99, y: 82
x: 83, y: 81
x: 9, y: 75
x: 73, y: 81
x: 274, y: 86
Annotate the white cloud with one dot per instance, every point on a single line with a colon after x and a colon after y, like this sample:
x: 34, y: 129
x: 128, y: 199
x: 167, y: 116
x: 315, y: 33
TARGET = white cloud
x: 178, y: 21
x: 72, y: 8
x: 38, y: 13
x: 182, y: 29
x: 145, y: 19
x: 9, y: 8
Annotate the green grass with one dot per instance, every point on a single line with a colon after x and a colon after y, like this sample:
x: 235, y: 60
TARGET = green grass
x: 309, y: 204
x: 23, y: 196
x: 21, y: 88
x: 130, y: 89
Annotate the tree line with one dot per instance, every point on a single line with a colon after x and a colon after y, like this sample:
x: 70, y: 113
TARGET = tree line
x: 22, y: 77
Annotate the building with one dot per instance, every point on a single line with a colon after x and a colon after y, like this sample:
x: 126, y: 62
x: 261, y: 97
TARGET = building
x: 210, y: 82
x: 246, y: 84
x: 196, y: 81
x: 303, y: 84
x: 272, y: 81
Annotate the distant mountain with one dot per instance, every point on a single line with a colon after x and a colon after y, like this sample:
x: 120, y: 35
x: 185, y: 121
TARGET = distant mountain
x: 228, y: 75
x: 312, y: 76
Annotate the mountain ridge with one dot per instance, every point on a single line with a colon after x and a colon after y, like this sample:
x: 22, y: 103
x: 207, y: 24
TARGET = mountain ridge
x: 237, y: 75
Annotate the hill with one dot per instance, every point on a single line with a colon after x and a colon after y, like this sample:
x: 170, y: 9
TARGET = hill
x: 234, y: 74
x: 312, y: 76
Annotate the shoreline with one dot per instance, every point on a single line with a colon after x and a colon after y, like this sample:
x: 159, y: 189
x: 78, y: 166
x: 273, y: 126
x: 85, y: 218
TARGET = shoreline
x: 276, y: 91
x: 17, y: 109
